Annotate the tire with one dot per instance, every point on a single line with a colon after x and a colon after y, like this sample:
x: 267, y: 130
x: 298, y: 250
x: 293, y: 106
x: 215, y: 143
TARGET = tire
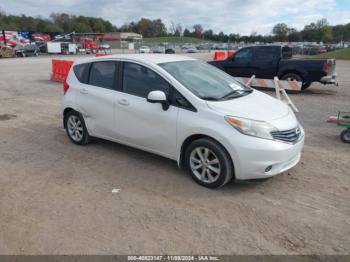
x: 199, y: 154
x: 296, y: 77
x: 345, y: 136
x: 76, y: 128
x: 305, y: 85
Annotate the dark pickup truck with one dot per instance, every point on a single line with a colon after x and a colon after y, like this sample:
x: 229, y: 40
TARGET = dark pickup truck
x: 269, y: 61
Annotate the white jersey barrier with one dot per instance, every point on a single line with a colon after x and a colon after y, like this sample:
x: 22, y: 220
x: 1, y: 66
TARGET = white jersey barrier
x: 269, y: 83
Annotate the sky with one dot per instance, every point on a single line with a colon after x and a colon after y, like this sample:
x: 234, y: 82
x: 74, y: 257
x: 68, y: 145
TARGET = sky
x: 230, y: 16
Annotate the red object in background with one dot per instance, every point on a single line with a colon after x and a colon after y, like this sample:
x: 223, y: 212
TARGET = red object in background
x: 101, y: 54
x: 219, y: 55
x: 41, y: 37
x: 230, y: 53
x: 24, y: 41
x: 88, y: 43
x: 11, y: 43
x: 60, y: 70
x: 111, y: 37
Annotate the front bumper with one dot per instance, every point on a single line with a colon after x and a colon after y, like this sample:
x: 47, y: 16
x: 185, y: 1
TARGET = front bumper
x: 267, y: 158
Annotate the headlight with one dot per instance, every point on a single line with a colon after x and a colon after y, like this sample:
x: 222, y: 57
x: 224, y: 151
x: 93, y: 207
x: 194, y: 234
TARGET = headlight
x: 252, y: 127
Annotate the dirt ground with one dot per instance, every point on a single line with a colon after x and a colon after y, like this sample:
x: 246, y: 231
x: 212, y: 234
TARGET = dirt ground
x: 56, y: 197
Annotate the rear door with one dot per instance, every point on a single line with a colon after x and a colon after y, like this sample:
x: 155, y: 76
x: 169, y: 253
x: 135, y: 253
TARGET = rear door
x: 241, y: 64
x: 97, y: 98
x: 140, y: 123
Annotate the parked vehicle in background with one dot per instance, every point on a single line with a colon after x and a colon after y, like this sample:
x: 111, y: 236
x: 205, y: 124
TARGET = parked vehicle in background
x: 270, y: 61
x: 144, y: 49
x: 105, y: 47
x: 183, y: 109
x: 89, y: 45
x: 170, y: 51
x: 192, y: 49
x: 27, y: 50
x: 158, y: 50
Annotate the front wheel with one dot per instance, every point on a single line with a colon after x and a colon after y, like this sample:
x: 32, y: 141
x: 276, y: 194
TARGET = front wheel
x: 76, y: 129
x: 209, y: 163
x: 345, y: 136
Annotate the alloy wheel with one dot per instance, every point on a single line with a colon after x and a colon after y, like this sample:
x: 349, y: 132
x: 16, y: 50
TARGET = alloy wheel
x: 75, y: 128
x: 205, y: 165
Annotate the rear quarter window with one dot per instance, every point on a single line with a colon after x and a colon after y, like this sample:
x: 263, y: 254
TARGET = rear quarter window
x: 81, y: 72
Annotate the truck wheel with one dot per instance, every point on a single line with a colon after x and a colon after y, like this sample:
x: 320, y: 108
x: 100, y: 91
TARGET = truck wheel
x: 292, y: 77
x: 305, y: 85
x: 296, y: 77
x: 345, y: 136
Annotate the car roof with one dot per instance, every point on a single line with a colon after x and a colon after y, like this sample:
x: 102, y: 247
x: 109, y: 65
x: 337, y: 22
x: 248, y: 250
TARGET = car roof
x: 146, y: 58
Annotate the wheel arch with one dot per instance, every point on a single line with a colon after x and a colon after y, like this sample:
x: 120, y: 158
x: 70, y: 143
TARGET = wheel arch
x: 65, y: 112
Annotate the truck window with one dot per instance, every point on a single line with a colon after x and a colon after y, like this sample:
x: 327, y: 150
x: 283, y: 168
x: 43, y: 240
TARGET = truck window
x: 244, y: 56
x: 287, y: 52
x: 266, y: 55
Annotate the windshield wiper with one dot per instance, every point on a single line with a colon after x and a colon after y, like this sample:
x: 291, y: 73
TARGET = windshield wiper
x: 229, y: 94
x: 236, y: 93
x: 209, y: 98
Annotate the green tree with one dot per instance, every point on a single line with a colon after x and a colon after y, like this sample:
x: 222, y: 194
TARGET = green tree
x: 187, y: 32
x: 319, y: 31
x: 281, y: 32
x: 79, y: 27
x: 198, y: 30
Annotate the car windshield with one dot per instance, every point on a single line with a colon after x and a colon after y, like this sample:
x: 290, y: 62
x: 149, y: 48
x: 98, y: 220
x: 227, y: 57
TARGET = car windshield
x: 205, y: 81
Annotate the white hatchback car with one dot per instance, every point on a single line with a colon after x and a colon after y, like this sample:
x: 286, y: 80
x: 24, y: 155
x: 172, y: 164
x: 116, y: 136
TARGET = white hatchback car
x: 183, y: 109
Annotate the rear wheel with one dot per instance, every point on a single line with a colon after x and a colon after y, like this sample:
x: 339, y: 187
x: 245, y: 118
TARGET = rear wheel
x: 345, y: 136
x: 296, y: 77
x: 209, y: 163
x: 305, y: 85
x: 76, y: 129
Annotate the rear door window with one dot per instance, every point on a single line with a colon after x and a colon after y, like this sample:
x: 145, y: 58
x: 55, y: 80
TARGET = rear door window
x: 103, y: 74
x: 81, y: 72
x: 266, y: 55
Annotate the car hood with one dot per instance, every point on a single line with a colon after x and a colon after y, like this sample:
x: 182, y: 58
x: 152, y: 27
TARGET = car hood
x: 256, y: 106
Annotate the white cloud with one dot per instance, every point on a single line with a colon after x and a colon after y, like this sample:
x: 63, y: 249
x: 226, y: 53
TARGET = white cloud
x: 229, y: 16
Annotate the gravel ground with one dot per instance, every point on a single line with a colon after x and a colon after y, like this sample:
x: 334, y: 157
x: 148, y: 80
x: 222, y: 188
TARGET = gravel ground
x: 56, y: 198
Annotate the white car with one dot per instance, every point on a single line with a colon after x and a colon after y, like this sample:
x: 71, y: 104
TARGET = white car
x: 183, y: 109
x: 144, y: 50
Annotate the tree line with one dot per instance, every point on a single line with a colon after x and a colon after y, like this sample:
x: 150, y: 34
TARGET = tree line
x: 319, y: 31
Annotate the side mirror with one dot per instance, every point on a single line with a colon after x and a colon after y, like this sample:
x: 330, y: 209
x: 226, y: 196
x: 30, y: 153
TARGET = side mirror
x: 158, y: 97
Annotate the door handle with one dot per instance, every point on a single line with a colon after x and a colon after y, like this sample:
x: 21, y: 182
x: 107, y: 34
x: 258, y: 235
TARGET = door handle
x: 84, y: 91
x: 123, y: 102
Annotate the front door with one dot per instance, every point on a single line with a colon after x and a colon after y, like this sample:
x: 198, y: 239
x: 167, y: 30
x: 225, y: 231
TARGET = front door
x: 241, y: 64
x: 141, y: 123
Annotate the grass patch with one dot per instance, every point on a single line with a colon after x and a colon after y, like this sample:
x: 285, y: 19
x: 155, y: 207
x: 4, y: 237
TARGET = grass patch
x: 341, y: 54
x: 174, y: 39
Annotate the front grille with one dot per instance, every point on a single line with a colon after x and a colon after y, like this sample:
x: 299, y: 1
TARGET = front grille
x: 289, y: 136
